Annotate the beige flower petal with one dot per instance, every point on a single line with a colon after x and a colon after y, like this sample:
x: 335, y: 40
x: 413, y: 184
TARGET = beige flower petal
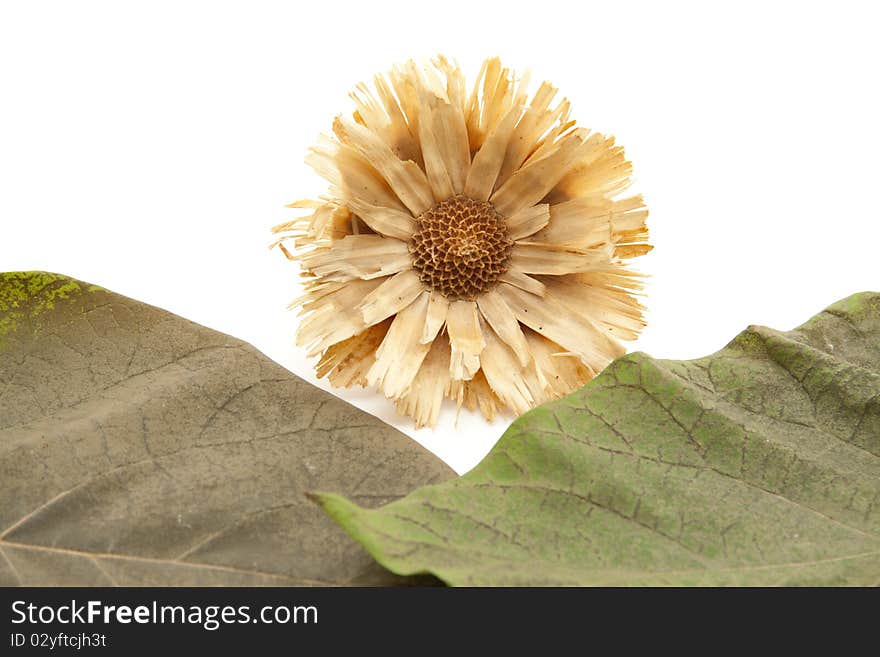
x: 465, y: 338
x: 555, y: 321
x: 405, y: 179
x: 579, y: 223
x: 500, y: 317
x: 563, y: 371
x: 302, y: 204
x: 491, y: 91
x: 351, y: 175
x: 315, y: 291
x: 477, y: 394
x: 392, y: 296
x: 521, y: 388
x: 555, y: 259
x: 398, y: 224
x: 404, y: 141
x: 425, y: 396
x: 615, y: 310
x: 330, y: 222
x: 403, y: 81
x: 528, y: 185
x: 327, y: 222
x: 555, y: 133
x: 588, y: 222
x: 627, y: 251
x: 445, y: 147
x: 438, y: 306
x: 491, y: 101
x: 435, y: 167
x: 455, y: 82
x: 309, y: 203
x: 334, y: 317
x: 487, y: 162
x: 628, y: 219
x: 523, y: 282
x: 386, y: 118
x: 600, y: 173
x: 533, y: 124
x: 528, y: 221
x: 401, y: 353
x: 348, y: 362
x: 358, y: 256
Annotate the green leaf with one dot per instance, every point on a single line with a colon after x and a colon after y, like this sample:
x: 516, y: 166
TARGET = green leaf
x: 757, y: 465
x: 138, y: 448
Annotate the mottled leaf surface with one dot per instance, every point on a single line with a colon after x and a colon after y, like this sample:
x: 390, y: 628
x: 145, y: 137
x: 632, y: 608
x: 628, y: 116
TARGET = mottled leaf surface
x: 138, y: 448
x: 757, y: 465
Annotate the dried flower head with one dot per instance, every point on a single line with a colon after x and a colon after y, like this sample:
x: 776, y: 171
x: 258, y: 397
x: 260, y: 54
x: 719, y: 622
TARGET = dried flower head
x: 471, y: 245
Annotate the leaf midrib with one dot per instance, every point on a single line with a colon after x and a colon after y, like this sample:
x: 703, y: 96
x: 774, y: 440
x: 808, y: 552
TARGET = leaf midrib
x: 154, y: 560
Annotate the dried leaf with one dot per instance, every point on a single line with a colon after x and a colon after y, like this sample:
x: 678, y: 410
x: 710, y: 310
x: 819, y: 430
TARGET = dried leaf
x: 138, y: 448
x: 757, y: 465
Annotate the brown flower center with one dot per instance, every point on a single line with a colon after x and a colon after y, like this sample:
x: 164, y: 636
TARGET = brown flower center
x: 460, y: 247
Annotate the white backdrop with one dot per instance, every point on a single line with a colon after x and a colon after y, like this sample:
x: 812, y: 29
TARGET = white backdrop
x: 149, y: 147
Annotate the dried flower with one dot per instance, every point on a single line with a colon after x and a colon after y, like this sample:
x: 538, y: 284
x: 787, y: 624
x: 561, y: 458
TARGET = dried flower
x: 471, y: 246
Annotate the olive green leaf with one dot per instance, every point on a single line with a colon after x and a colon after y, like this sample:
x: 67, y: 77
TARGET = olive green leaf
x: 757, y: 465
x: 138, y: 448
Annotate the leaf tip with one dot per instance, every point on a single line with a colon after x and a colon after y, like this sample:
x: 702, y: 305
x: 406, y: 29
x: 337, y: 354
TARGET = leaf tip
x: 336, y: 506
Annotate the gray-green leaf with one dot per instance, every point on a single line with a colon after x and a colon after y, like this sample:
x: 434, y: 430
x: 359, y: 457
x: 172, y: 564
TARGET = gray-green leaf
x: 757, y: 465
x: 139, y: 448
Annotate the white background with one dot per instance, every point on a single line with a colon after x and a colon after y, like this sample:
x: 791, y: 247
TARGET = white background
x: 148, y: 147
